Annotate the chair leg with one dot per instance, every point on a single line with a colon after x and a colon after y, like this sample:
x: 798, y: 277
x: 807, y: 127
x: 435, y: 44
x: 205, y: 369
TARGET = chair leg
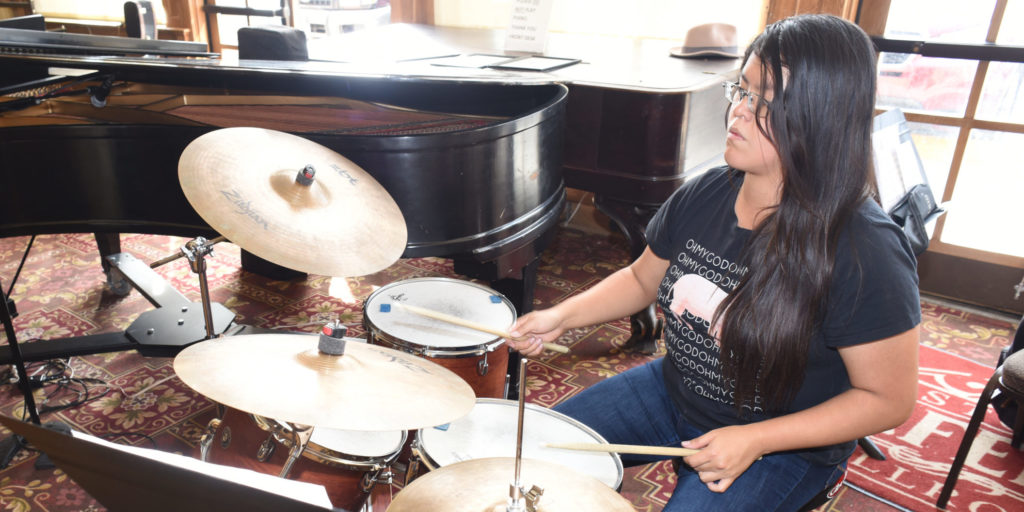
x: 969, y: 434
x: 870, y: 448
x: 1018, y: 425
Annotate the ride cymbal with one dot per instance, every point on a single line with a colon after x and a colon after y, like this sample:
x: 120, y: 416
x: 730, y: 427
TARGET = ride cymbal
x: 249, y: 185
x: 286, y: 378
x: 482, y: 485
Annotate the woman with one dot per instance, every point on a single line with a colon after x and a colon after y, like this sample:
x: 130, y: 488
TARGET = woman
x: 790, y: 297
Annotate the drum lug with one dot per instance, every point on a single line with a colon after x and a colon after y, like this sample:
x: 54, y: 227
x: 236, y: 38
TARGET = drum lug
x: 413, y: 469
x: 383, y: 476
x: 266, y: 449
x: 225, y: 437
x: 207, y: 438
x: 482, y: 366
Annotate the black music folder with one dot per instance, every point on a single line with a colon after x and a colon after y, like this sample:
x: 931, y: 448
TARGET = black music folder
x: 124, y: 481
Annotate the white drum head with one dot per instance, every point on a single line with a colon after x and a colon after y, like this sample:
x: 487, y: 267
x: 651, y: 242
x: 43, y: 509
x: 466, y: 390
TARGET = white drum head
x: 489, y: 430
x: 461, y: 299
x: 357, y: 443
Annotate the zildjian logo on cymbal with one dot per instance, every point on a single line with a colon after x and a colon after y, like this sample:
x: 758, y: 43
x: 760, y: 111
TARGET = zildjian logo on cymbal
x: 345, y: 174
x: 245, y: 207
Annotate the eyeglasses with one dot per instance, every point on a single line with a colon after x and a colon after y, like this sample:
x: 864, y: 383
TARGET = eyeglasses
x: 735, y: 94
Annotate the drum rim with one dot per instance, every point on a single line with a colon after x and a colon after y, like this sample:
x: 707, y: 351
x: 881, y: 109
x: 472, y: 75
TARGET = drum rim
x: 432, y: 464
x: 375, y: 332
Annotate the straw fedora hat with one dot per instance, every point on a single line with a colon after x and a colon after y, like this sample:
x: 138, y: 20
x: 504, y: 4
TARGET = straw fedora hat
x: 709, y: 40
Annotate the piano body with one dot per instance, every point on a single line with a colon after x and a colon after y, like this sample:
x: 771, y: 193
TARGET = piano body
x: 478, y: 170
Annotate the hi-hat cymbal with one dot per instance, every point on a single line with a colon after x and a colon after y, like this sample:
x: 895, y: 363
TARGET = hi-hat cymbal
x: 285, y: 377
x: 244, y: 182
x: 482, y: 485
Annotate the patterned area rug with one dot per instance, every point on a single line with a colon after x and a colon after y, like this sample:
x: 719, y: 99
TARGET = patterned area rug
x: 920, y: 452
x: 130, y: 399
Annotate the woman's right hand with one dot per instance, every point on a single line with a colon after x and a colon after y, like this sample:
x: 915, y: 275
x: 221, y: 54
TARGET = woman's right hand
x: 532, y: 330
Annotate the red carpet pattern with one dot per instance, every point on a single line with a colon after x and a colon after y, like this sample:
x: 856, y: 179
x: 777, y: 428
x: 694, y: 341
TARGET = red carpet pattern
x: 137, y: 400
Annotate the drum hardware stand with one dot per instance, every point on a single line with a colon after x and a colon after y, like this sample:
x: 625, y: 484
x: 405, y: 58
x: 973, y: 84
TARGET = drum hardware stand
x: 163, y: 332
x: 196, y: 251
x: 518, y: 500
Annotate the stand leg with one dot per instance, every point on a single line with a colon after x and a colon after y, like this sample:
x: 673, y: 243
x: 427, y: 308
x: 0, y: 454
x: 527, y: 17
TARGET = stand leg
x: 15, y: 443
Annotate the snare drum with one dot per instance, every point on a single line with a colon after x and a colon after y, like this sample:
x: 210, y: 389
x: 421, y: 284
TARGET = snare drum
x: 347, y: 463
x: 479, y: 358
x: 489, y: 430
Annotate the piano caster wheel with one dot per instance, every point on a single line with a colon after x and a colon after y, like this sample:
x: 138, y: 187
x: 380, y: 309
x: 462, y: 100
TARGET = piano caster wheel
x: 646, y: 329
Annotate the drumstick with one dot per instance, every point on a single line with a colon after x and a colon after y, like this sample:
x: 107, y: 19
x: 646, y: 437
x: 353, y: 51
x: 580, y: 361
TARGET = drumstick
x: 437, y: 315
x: 624, y: 448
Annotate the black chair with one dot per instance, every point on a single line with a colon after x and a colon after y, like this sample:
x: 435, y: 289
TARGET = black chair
x: 139, y: 20
x: 1005, y: 387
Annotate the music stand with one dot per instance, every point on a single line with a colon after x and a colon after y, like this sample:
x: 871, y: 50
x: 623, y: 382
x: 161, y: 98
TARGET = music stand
x: 124, y: 481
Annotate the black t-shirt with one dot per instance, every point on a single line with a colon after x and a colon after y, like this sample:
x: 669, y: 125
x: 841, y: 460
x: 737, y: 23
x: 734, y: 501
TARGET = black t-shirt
x: 873, y: 295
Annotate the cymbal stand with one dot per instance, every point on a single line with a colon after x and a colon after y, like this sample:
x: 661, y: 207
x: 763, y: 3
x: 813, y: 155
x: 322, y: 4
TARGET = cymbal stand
x: 196, y: 251
x: 332, y: 342
x: 518, y: 500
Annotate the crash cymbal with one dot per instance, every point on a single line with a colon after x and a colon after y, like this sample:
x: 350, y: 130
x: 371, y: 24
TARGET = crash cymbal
x: 245, y: 183
x: 285, y: 377
x: 482, y: 485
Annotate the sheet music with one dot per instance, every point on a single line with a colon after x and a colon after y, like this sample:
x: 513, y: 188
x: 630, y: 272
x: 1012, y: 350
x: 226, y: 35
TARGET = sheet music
x: 313, y: 494
x: 898, y: 167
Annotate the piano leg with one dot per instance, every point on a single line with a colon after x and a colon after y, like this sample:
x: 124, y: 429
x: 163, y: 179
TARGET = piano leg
x: 110, y: 243
x: 520, y: 292
x: 519, y: 289
x: 632, y: 219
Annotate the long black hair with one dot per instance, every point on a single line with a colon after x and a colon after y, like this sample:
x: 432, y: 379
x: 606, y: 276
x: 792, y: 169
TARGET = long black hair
x: 822, y: 71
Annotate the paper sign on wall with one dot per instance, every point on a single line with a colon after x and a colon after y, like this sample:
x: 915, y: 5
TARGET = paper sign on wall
x: 528, y: 26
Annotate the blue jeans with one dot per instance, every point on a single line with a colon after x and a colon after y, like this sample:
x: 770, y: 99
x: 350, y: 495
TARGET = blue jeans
x: 634, y: 408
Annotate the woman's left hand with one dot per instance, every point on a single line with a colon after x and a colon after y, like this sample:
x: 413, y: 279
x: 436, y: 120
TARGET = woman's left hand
x: 725, y: 453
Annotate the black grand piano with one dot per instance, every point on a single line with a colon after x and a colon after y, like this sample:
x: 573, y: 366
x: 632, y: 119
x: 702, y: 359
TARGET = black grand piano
x: 91, y: 130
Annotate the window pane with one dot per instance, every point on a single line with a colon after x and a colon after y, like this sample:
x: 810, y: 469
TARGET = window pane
x: 985, y: 213
x: 1012, y: 29
x: 1002, y: 97
x: 930, y: 84
x: 944, y: 20
x: 935, y: 144
x: 228, y: 25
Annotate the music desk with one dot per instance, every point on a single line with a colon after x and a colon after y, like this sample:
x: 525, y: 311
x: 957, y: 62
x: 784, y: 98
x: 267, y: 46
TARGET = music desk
x: 638, y: 120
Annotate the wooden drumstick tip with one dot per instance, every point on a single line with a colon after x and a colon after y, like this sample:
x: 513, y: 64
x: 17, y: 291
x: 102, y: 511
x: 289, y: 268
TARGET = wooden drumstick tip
x: 624, y: 448
x: 454, y: 320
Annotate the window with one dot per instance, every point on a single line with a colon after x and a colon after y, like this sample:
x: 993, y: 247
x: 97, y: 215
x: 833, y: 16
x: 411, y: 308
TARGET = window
x: 967, y: 118
x: 663, y: 19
